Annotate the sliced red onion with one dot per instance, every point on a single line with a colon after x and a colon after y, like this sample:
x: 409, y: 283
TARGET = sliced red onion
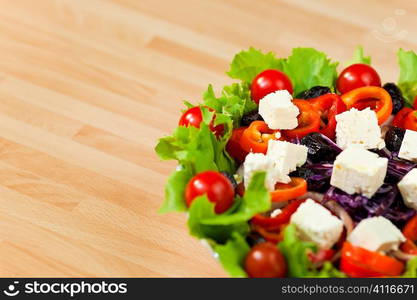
x: 341, y: 213
x: 402, y: 255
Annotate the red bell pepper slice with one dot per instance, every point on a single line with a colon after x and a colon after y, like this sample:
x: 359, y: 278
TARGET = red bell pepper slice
x: 271, y: 223
x: 399, y: 118
x: 233, y: 146
x: 328, y: 106
x: 410, y: 232
x: 255, y: 138
x: 308, y: 120
x: 360, y: 262
x: 410, y: 121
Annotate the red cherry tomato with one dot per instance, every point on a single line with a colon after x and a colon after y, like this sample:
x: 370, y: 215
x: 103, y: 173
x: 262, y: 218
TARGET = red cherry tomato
x: 356, y: 76
x: 218, y: 188
x: 265, y: 261
x: 194, y: 117
x: 269, y: 81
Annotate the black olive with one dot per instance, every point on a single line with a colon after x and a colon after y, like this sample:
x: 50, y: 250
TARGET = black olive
x: 231, y: 178
x: 396, y: 96
x: 320, y: 148
x: 250, y: 117
x: 314, y: 92
x: 393, y: 138
x: 254, y: 238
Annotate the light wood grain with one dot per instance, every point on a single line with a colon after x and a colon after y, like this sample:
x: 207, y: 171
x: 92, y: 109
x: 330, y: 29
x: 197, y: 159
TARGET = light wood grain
x: 86, y: 88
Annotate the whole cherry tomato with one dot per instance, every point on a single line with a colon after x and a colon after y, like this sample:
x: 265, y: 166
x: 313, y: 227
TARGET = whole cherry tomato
x: 265, y: 261
x: 194, y: 117
x: 218, y: 188
x: 269, y: 81
x: 356, y: 76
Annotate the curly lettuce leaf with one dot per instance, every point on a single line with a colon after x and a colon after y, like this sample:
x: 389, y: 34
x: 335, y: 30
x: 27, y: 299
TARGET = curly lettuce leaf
x: 234, y: 102
x: 296, y: 251
x: 411, y: 269
x: 232, y: 255
x: 407, y: 81
x: 307, y: 67
x: 203, y: 222
x: 249, y: 63
x: 359, y: 57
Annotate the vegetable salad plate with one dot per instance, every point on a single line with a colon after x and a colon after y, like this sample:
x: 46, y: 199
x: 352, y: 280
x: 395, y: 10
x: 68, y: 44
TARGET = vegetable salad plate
x: 296, y: 170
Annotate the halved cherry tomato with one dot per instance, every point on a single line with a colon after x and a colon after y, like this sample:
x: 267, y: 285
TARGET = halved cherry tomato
x: 308, y: 120
x: 255, y: 138
x: 360, y: 262
x: 233, y: 146
x: 383, y: 105
x: 400, y: 117
x: 194, y: 117
x: 410, y: 121
x: 288, y: 191
x: 328, y: 106
x: 277, y: 221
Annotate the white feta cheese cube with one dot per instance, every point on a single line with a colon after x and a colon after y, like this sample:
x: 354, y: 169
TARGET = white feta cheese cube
x: 376, y: 234
x: 286, y: 157
x: 408, y: 148
x: 256, y: 162
x: 278, y: 111
x: 358, y: 127
x: 357, y: 170
x: 408, y: 188
x: 316, y: 224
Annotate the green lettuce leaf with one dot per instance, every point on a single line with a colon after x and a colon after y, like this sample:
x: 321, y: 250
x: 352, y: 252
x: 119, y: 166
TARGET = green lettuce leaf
x: 296, y: 251
x: 407, y: 81
x: 411, y: 269
x: 232, y: 255
x: 307, y: 67
x: 234, y: 102
x: 359, y: 57
x: 174, y: 191
x: 249, y: 63
x: 203, y: 222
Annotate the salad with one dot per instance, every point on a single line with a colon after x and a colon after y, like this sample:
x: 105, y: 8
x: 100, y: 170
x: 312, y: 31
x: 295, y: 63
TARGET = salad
x: 296, y: 170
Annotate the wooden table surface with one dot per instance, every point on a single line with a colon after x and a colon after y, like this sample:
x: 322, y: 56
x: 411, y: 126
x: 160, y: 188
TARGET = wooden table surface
x: 86, y: 88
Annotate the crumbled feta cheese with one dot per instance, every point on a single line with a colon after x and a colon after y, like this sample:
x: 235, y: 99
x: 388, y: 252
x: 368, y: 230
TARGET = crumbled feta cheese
x: 357, y: 170
x: 278, y: 111
x: 275, y: 213
x: 358, y: 127
x: 315, y: 223
x: 408, y: 148
x: 256, y: 162
x: 376, y: 234
x: 286, y: 157
x: 408, y: 188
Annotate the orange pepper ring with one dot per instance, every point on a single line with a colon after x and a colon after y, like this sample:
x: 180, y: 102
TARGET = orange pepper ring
x: 288, y: 191
x: 255, y: 138
x: 383, y: 107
